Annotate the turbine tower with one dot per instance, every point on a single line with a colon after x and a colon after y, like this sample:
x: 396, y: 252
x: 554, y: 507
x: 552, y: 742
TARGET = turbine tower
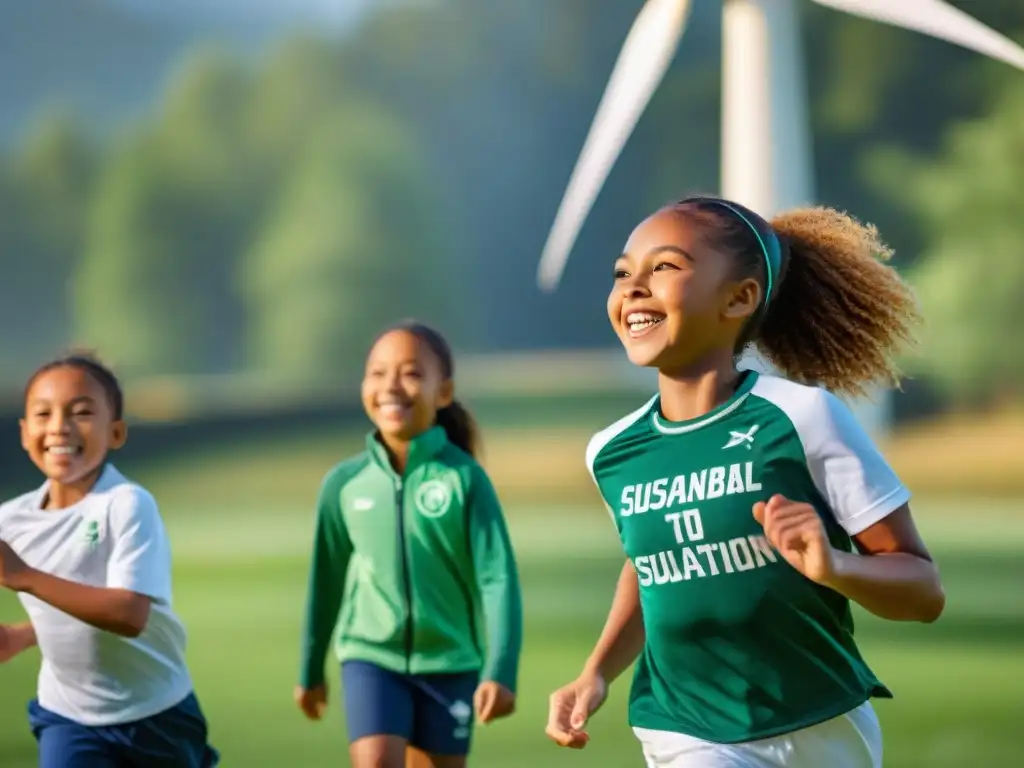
x: 766, y: 161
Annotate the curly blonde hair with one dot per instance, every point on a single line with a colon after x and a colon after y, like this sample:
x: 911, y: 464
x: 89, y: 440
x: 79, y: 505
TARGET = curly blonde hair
x: 840, y: 315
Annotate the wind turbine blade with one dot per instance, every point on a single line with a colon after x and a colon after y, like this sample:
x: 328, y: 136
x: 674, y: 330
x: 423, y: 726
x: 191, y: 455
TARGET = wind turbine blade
x: 642, y: 63
x: 938, y: 19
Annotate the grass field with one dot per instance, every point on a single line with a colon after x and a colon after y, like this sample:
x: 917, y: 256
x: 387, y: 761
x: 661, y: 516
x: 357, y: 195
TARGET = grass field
x: 240, y: 573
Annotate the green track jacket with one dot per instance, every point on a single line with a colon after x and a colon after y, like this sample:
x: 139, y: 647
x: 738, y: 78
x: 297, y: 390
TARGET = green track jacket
x: 420, y: 567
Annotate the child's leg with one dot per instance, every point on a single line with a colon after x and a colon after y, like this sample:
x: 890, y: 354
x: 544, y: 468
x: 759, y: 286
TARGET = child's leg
x: 66, y: 744
x: 378, y: 715
x: 417, y: 758
x: 378, y: 752
x: 443, y: 720
x: 73, y: 746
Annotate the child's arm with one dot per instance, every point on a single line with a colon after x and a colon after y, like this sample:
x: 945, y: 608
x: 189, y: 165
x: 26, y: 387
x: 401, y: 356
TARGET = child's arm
x: 119, y: 611
x: 332, y: 550
x: 892, y: 575
x: 139, y: 572
x: 498, y: 580
x: 622, y: 639
x: 15, y: 638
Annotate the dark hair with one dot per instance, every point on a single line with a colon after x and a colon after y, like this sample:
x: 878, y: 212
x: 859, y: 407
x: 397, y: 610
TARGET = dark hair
x: 837, y: 315
x: 86, y: 361
x: 457, y: 422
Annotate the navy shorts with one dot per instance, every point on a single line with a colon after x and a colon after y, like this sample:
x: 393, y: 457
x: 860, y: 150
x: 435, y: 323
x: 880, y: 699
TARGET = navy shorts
x: 433, y: 712
x: 174, y: 738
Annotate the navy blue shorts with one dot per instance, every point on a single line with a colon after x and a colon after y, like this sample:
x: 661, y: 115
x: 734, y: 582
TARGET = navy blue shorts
x: 433, y: 712
x: 174, y: 738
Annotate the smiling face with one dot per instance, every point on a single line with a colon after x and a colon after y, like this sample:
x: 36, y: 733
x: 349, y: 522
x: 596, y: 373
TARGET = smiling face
x: 675, y: 299
x: 69, y: 426
x: 404, y: 386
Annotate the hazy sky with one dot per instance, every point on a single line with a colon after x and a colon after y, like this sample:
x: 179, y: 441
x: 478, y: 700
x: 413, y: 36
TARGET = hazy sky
x: 332, y: 12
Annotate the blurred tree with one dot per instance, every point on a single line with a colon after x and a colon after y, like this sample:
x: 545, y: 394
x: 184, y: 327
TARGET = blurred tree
x: 56, y: 171
x: 874, y: 88
x: 180, y: 231
x: 351, y: 246
x: 44, y: 198
x: 971, y: 277
x: 221, y: 183
x: 133, y: 296
x: 302, y: 79
x: 169, y: 222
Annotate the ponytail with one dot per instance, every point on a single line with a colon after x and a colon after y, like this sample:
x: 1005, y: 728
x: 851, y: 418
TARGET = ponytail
x: 833, y: 313
x: 842, y: 315
x: 460, y: 426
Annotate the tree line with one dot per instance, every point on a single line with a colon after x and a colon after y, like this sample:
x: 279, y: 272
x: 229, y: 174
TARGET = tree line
x: 270, y: 214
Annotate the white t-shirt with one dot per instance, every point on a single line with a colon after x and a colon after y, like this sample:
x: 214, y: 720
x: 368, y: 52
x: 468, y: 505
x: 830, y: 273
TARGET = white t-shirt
x: 114, y: 537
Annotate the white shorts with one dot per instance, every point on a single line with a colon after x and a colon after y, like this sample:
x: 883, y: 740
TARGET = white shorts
x: 853, y: 740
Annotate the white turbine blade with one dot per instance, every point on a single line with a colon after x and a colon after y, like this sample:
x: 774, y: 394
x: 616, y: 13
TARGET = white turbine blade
x: 938, y: 19
x: 641, y: 66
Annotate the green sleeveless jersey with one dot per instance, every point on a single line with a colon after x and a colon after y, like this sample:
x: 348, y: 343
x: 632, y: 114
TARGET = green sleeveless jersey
x: 740, y: 646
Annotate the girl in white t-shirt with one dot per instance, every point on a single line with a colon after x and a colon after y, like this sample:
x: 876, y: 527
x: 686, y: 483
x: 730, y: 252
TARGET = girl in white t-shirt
x: 88, y: 555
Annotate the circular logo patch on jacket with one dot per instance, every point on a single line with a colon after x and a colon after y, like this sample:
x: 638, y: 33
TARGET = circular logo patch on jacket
x: 433, y: 498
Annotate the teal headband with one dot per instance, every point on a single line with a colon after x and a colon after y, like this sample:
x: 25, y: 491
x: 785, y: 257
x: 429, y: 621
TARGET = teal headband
x: 771, y: 248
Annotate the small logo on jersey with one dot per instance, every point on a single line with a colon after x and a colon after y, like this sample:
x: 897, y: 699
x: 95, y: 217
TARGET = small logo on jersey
x: 362, y: 505
x: 461, y: 713
x: 742, y: 438
x: 433, y: 498
x: 91, y: 533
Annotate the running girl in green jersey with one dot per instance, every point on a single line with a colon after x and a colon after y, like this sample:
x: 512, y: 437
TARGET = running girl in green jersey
x: 411, y: 547
x: 752, y: 509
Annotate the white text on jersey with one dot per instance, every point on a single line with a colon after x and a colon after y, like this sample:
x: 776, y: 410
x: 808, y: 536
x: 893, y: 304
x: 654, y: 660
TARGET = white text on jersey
x: 700, y: 561
x: 665, y: 492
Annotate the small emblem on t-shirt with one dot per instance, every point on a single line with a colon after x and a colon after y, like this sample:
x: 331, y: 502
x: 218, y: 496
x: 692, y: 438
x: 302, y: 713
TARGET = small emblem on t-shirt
x: 742, y: 438
x: 91, y: 533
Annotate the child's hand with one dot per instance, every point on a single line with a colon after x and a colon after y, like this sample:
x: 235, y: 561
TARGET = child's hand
x: 796, y: 530
x: 493, y: 700
x: 15, y: 638
x: 312, y: 701
x: 12, y: 568
x: 8, y: 643
x: 571, y: 707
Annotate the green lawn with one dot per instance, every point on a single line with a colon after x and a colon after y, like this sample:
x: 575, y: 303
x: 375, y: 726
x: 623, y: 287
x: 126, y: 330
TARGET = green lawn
x: 240, y: 572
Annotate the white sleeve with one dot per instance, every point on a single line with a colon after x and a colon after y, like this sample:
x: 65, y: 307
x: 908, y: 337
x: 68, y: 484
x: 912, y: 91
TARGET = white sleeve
x: 141, y: 556
x: 848, y: 470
